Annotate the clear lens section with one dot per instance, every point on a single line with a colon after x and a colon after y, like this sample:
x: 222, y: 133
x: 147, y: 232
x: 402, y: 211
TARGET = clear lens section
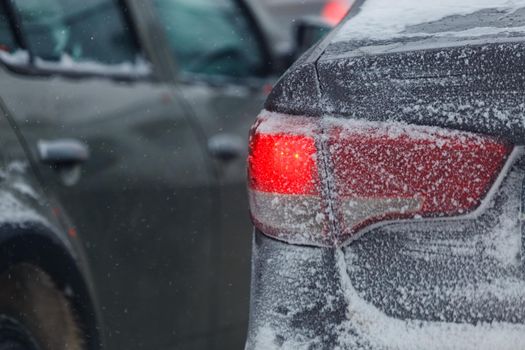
x: 370, y: 172
x: 292, y: 218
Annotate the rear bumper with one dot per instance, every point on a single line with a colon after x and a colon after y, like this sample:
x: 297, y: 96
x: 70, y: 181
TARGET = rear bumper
x: 303, y: 298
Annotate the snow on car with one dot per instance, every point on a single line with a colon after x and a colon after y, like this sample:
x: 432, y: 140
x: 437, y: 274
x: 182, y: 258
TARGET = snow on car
x: 386, y: 181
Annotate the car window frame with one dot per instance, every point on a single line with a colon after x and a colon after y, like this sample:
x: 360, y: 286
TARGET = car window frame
x: 31, y: 68
x: 221, y: 80
x: 262, y: 39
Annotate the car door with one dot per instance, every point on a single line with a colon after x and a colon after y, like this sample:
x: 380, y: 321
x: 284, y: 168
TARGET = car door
x: 224, y: 75
x: 117, y: 148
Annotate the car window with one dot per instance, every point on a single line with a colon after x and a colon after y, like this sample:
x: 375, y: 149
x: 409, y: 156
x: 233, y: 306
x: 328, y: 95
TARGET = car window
x: 212, y: 37
x: 7, y: 38
x: 77, y: 31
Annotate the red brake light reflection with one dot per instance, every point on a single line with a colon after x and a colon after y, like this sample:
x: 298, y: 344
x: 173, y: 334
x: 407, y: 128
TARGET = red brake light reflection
x: 335, y: 10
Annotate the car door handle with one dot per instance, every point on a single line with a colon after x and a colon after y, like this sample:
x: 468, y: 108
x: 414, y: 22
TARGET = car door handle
x: 226, y: 147
x: 62, y: 152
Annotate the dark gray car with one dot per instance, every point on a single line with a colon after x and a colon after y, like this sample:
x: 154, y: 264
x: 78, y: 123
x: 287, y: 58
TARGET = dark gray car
x: 386, y: 181
x: 124, y: 217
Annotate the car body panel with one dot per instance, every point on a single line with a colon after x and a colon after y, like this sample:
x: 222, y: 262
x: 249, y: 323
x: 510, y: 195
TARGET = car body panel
x: 212, y: 107
x: 223, y: 108
x: 403, y: 86
x: 144, y: 219
x: 34, y: 230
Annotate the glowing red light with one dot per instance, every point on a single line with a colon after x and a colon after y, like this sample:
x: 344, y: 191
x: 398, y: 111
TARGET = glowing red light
x: 284, y: 164
x: 335, y: 10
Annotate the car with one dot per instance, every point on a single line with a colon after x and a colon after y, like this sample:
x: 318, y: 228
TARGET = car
x: 386, y: 181
x: 124, y: 134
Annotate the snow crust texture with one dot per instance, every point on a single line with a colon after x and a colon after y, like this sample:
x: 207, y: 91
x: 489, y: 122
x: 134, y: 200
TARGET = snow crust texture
x: 13, y: 191
x: 477, y: 88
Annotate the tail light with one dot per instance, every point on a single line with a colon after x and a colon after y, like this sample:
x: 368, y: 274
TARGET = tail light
x: 335, y: 10
x: 320, y: 181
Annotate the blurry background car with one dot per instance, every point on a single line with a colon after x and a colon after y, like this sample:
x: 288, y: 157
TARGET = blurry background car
x: 130, y: 130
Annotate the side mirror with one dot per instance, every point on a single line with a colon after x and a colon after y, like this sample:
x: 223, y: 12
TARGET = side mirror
x: 308, y: 31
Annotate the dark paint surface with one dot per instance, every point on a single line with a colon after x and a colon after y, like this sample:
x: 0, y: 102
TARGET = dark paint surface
x: 146, y: 220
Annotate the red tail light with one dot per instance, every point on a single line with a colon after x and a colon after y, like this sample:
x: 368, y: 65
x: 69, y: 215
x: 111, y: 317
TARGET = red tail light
x: 283, y: 164
x: 335, y: 10
x: 319, y: 181
x: 284, y: 182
